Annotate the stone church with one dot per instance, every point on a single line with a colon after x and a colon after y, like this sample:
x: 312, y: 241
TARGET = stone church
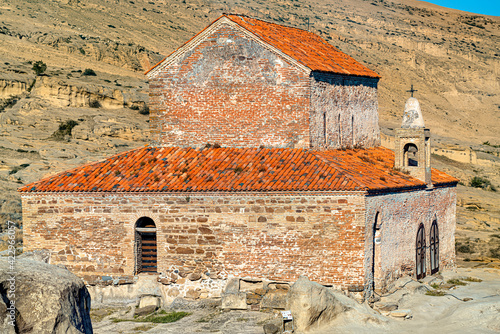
x: 265, y: 163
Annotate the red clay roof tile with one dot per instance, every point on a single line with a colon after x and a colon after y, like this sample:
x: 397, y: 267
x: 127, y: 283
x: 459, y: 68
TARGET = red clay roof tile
x: 305, y: 47
x: 154, y: 169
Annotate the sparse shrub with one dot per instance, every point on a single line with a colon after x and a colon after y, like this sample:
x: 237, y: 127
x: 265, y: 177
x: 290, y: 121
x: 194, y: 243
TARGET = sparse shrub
x: 472, y: 279
x: 465, y: 249
x: 94, y: 104
x: 82, y: 51
x: 9, y: 102
x: 144, y: 110
x: 479, y: 182
x: 64, y: 130
x: 435, y: 293
x: 161, y: 317
x: 495, y: 253
x: 18, y: 238
x: 455, y: 281
x: 89, y: 72
x: 18, y: 168
x: 39, y: 67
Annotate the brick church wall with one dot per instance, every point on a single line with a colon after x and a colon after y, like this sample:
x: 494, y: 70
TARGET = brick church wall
x: 232, y: 91
x: 347, y: 106
x: 400, y: 215
x: 276, y: 237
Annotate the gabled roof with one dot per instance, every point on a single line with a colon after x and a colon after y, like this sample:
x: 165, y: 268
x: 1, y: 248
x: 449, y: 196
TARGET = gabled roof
x: 304, y: 47
x: 174, y: 169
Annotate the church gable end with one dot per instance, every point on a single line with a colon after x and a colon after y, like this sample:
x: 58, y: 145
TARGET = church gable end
x: 230, y: 89
x: 244, y: 82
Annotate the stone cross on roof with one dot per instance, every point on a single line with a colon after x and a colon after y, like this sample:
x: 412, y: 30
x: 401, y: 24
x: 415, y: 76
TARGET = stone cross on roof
x: 412, y: 90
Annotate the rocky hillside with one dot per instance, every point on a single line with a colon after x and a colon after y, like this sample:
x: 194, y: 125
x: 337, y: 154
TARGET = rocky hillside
x: 91, y: 101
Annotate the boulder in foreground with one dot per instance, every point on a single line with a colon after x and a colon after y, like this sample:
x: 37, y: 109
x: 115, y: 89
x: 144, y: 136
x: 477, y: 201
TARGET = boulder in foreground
x: 48, y: 299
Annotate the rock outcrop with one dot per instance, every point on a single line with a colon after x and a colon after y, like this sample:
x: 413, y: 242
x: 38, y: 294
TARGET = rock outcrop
x: 43, y: 298
x: 312, y: 305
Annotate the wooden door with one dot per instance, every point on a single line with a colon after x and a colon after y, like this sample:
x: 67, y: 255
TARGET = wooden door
x: 420, y: 252
x: 434, y: 247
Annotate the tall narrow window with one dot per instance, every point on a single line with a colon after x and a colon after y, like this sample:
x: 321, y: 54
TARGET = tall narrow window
x: 145, y: 232
x: 420, y: 252
x: 340, y: 132
x: 434, y: 247
x: 352, y: 130
x: 324, y: 130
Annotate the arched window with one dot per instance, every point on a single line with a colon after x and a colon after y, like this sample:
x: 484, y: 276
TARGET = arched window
x: 411, y: 155
x: 434, y: 247
x: 420, y: 252
x: 145, y: 238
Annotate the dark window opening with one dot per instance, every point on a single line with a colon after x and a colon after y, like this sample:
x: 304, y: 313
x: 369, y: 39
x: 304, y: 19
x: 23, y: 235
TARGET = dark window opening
x: 146, y: 250
x: 411, y: 155
x: 324, y: 129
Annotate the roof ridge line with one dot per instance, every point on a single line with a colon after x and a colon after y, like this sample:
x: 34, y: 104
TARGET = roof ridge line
x: 266, y: 21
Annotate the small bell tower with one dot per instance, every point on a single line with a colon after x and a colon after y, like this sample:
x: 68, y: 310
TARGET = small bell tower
x: 413, y: 142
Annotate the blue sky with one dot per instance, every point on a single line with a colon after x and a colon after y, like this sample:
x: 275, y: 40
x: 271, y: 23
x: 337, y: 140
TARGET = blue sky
x: 487, y: 7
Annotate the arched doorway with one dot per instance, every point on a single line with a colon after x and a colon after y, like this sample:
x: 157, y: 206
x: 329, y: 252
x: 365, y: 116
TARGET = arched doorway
x: 420, y: 252
x: 434, y: 247
x: 145, y: 236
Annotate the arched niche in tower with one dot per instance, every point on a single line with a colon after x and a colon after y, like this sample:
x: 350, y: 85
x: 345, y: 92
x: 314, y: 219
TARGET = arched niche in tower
x: 410, y: 152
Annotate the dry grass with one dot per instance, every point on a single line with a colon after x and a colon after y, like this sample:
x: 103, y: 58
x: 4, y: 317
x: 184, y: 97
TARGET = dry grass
x: 18, y: 237
x: 435, y: 293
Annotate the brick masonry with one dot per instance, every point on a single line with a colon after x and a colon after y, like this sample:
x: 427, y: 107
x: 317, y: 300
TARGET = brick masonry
x: 400, y: 215
x: 277, y: 237
x: 328, y: 237
x: 231, y: 90
x: 343, y: 111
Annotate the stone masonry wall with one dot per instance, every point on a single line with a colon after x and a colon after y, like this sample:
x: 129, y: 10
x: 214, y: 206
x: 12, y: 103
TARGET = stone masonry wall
x: 232, y: 91
x: 400, y: 215
x: 277, y: 237
x: 348, y: 107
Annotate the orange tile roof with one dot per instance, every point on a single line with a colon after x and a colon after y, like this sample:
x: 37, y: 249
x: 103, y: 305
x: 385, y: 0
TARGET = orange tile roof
x: 174, y: 169
x: 305, y: 47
